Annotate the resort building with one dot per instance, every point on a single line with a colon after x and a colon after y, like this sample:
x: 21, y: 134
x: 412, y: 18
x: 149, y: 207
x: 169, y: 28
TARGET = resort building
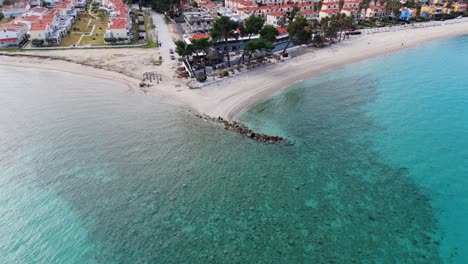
x: 12, y: 34
x: 53, y: 24
x: 460, y: 7
x: 16, y: 9
x: 209, y: 7
x: 120, y: 23
x: 41, y: 30
x: 198, y: 21
x: 375, y: 12
x: 351, y: 8
x: 329, y: 7
x: 118, y: 29
x: 222, y: 11
x: 263, y: 8
x: 428, y: 11
x: 405, y: 14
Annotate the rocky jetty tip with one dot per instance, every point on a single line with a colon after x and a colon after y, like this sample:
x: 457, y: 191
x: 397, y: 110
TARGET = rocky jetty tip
x: 244, y: 130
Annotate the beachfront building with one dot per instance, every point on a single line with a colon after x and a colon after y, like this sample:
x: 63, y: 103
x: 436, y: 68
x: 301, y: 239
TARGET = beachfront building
x: 351, y: 8
x: 12, y: 34
x: 375, y: 12
x: 460, y: 7
x: 236, y: 4
x: 263, y: 8
x: 428, y: 11
x: 222, y: 11
x: 119, y: 27
x: 198, y: 21
x: 406, y: 13
x: 42, y: 31
x: 52, y: 24
x: 16, y: 9
x: 274, y: 18
x: 329, y: 7
x: 209, y: 7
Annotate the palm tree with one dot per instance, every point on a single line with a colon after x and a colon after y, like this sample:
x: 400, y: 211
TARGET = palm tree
x: 363, y: 6
x: 224, y: 28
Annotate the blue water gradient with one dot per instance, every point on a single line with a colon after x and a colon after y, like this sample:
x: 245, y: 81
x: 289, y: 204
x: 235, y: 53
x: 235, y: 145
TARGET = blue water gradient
x: 417, y: 111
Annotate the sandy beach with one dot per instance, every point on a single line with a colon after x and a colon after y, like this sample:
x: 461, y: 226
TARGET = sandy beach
x: 229, y: 97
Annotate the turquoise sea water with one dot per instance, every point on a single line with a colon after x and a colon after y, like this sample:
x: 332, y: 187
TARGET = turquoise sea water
x: 93, y: 173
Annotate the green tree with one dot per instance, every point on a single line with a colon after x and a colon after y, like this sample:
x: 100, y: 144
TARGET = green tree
x: 252, y: 25
x: 1, y: 16
x: 298, y: 34
x: 363, y: 6
x: 410, y: 4
x: 283, y: 20
x: 182, y: 49
x: 269, y: 33
x: 314, y: 24
x: 317, y: 40
x: 200, y: 45
x: 257, y: 45
x: 318, y: 6
x: 341, y: 4
x: 223, y: 29
x: 294, y: 12
x: 161, y: 6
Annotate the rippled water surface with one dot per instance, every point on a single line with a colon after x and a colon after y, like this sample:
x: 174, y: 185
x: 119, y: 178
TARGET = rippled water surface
x: 92, y: 172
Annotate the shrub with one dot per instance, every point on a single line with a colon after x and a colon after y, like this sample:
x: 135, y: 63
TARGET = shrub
x: 201, y: 77
x: 37, y: 42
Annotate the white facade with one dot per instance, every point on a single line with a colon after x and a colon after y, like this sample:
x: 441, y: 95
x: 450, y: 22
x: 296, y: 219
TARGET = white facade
x: 15, y: 10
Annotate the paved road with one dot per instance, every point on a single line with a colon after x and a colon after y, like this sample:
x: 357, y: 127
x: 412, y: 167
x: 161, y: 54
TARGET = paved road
x: 164, y: 35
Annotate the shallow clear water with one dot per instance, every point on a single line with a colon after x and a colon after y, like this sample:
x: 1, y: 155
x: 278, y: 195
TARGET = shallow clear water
x: 406, y: 113
x: 90, y: 172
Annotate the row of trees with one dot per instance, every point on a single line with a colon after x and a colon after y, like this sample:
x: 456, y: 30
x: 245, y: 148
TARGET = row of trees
x: 300, y: 30
x: 225, y: 29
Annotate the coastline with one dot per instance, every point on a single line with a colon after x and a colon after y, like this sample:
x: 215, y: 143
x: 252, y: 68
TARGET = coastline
x: 230, y: 97
x: 236, y: 94
x: 44, y: 63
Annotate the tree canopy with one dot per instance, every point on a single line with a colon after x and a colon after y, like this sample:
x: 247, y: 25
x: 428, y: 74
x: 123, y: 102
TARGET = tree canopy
x: 253, y: 25
x: 298, y: 32
x: 182, y: 49
x: 161, y: 5
x: 223, y: 29
x: 269, y: 33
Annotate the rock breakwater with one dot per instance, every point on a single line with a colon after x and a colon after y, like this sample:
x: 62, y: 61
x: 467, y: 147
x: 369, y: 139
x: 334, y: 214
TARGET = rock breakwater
x: 244, y: 130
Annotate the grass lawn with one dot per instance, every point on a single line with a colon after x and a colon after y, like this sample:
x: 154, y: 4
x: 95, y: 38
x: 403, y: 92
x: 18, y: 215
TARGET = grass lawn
x: 97, y: 39
x: 81, y: 26
x: 150, y: 35
x: 5, y: 20
x: 92, y: 40
x: 70, y: 40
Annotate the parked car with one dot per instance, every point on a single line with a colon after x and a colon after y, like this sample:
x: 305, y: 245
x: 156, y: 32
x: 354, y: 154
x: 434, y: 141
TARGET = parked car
x: 171, y: 51
x: 172, y: 57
